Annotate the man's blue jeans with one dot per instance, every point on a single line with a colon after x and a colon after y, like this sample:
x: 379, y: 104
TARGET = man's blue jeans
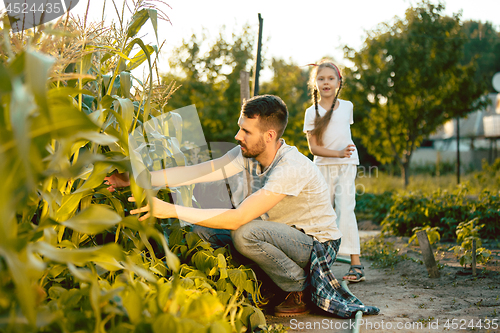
x: 281, y: 251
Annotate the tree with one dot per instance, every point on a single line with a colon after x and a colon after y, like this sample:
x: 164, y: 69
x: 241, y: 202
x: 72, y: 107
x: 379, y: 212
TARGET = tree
x: 407, y: 80
x: 211, y: 81
x: 482, y: 46
x: 290, y: 83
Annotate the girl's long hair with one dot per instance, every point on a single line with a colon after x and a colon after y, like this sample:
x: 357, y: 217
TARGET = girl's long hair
x: 321, y: 123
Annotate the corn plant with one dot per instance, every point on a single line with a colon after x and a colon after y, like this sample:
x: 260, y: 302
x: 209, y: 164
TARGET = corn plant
x: 71, y: 257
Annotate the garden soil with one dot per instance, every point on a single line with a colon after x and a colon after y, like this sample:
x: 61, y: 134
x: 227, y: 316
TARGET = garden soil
x: 410, y: 301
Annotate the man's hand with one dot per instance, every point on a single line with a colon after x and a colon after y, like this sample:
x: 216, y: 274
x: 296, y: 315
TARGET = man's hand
x: 347, y: 151
x: 161, y: 209
x: 117, y: 180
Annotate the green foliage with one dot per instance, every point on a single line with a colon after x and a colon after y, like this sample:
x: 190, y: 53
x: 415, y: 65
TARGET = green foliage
x: 290, y: 83
x: 405, y: 83
x: 482, y: 46
x: 443, y: 210
x: 467, y: 232
x: 210, y: 80
x: 277, y: 328
x: 434, y: 169
x: 373, y: 207
x: 381, y: 252
x: 432, y: 234
x: 489, y: 176
x: 384, y: 182
x: 71, y: 257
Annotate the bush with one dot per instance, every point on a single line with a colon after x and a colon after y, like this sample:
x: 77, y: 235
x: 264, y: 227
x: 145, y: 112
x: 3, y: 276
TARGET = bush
x: 487, y: 211
x: 444, y: 210
x: 489, y: 177
x: 373, y: 207
x: 444, y: 168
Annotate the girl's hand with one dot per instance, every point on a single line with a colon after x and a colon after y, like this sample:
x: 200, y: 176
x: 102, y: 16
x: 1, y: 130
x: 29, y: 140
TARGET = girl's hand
x: 347, y: 151
x: 117, y: 180
x: 161, y: 209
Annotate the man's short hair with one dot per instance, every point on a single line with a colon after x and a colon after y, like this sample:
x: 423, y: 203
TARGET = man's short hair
x: 271, y: 110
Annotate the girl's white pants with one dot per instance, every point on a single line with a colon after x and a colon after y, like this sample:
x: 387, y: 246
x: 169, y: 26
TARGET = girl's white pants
x: 340, y: 179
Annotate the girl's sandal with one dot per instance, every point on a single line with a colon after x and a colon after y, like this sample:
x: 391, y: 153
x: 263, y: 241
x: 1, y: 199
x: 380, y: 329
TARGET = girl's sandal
x: 360, y: 276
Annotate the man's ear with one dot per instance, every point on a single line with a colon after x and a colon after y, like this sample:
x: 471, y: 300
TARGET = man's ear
x: 271, y: 135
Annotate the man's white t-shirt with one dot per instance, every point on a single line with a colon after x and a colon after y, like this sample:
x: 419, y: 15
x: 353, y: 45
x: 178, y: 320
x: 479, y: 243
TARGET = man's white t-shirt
x: 337, y: 134
x: 306, y: 206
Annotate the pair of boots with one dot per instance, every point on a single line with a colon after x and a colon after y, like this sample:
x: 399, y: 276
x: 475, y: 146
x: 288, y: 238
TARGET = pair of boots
x: 293, y: 305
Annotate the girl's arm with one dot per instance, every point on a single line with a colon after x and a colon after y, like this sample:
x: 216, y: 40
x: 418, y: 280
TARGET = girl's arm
x: 325, y: 152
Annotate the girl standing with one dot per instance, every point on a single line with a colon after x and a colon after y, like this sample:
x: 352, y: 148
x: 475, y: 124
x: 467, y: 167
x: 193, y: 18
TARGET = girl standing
x: 327, y: 125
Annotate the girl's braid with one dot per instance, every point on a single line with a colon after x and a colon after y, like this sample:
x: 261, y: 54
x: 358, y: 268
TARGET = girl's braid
x: 335, y: 100
x: 315, y: 100
x: 321, y: 123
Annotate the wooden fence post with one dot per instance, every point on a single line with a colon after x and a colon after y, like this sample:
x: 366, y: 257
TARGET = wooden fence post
x: 430, y: 261
x: 244, y: 86
x: 256, y: 68
x: 473, y: 257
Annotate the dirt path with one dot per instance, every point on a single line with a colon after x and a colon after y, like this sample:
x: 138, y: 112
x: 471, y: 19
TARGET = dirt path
x: 412, y: 302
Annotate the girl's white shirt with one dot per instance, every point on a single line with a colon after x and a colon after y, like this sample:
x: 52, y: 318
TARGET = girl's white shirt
x: 337, y: 134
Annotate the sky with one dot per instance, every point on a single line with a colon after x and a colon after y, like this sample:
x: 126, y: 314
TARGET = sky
x: 307, y: 30
x: 301, y: 31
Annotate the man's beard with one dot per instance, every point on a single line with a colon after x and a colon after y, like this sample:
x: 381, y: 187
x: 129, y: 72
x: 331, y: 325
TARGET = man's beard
x: 253, y: 152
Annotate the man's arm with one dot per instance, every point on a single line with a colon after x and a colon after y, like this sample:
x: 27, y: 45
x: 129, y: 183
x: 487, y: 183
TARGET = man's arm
x: 251, y: 208
x: 317, y: 150
x: 209, y: 171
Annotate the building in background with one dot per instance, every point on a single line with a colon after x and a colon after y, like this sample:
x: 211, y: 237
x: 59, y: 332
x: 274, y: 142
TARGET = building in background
x: 479, y: 133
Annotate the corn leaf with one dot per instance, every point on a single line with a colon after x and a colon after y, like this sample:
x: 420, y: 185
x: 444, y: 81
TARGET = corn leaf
x: 133, y: 304
x: 109, y: 253
x: 68, y: 206
x: 153, y: 14
x: 96, y: 178
x: 5, y: 85
x: 140, y: 57
x: 24, y: 290
x: 137, y: 22
x: 93, y: 220
x: 127, y: 111
x: 101, y: 139
x: 37, y: 70
x: 125, y: 85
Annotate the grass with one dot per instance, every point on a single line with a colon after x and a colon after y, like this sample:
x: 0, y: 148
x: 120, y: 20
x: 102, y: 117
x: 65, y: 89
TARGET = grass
x: 381, y: 182
x: 381, y: 252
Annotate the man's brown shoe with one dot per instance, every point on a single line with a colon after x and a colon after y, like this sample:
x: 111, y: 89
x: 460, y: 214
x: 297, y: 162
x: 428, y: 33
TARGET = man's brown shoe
x: 293, y: 305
